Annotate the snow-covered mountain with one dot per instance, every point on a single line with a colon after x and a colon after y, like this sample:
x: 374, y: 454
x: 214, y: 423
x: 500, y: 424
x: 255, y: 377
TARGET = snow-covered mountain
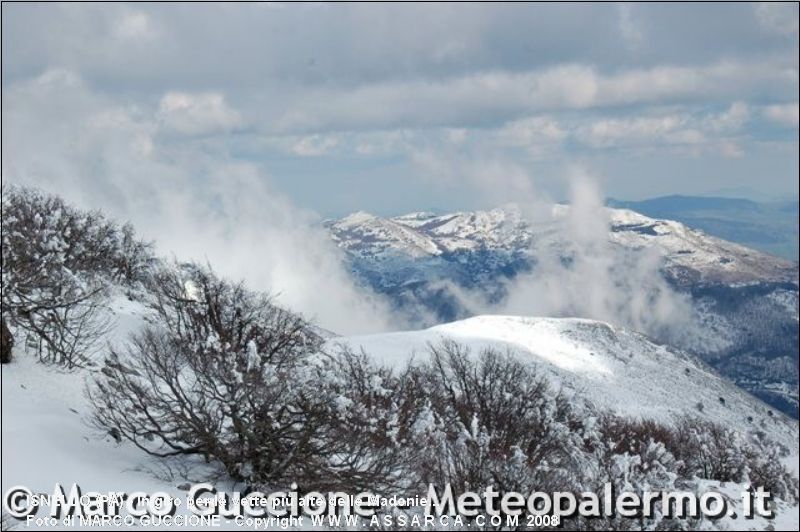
x: 770, y: 226
x: 744, y: 301
x: 690, y: 255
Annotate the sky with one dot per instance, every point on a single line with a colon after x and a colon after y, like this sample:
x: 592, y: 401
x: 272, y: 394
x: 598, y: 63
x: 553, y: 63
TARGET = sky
x: 387, y: 107
x: 220, y: 129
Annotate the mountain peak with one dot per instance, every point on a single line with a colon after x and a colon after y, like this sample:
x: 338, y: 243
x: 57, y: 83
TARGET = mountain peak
x: 358, y: 217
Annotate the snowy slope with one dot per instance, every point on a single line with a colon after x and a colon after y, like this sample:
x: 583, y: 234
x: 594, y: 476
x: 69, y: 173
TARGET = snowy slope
x: 614, y: 368
x: 46, y: 437
x: 46, y: 434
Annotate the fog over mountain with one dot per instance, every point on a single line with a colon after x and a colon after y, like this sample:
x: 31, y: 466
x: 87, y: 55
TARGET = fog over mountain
x: 735, y: 307
x: 347, y: 247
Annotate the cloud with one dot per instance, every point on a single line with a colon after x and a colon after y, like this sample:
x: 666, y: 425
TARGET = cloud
x: 193, y: 199
x: 539, y: 137
x: 247, y: 230
x: 780, y: 18
x: 359, y: 93
x: 488, y: 99
x: 785, y: 114
x: 314, y: 145
x: 579, y: 271
x: 639, y: 130
x: 628, y: 28
x: 198, y: 114
x: 499, y: 180
x: 535, y: 132
x: 134, y: 26
x: 717, y: 132
x: 731, y: 120
x: 586, y: 275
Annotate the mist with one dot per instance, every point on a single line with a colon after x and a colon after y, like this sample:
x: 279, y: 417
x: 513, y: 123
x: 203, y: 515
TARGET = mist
x: 579, y: 271
x: 582, y: 273
x: 179, y: 170
x: 190, y: 196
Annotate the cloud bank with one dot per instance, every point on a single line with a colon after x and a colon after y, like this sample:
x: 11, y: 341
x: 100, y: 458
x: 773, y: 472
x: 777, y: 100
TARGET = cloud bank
x: 221, y: 129
x: 197, y: 203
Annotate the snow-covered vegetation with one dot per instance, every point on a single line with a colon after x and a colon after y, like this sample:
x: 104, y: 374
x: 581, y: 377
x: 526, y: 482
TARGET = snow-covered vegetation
x: 196, y: 377
x: 58, y: 264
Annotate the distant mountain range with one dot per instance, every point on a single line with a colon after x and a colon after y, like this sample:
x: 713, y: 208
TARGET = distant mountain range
x: 767, y: 226
x: 744, y: 301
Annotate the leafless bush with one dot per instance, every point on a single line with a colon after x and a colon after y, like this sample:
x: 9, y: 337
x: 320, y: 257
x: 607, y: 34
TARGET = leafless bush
x: 58, y: 262
x: 67, y: 335
x: 367, y: 441
x: 708, y: 450
x: 224, y: 375
x: 229, y: 376
x: 632, y: 456
x: 6, y: 342
x: 492, y: 420
x: 694, y: 447
x: 765, y: 468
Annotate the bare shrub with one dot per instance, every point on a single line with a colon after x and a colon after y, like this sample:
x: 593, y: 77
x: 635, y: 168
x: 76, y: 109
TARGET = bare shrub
x: 224, y: 375
x: 708, y: 450
x: 6, y: 342
x: 694, y: 447
x: 367, y: 441
x: 765, y: 468
x: 631, y: 455
x: 230, y: 376
x: 492, y: 421
x: 58, y: 262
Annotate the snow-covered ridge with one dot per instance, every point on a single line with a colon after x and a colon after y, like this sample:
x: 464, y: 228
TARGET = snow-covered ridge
x: 383, y: 235
x: 688, y: 252
x: 614, y: 368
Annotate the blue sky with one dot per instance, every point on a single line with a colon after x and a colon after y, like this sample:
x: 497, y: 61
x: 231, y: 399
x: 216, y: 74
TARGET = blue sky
x: 393, y: 108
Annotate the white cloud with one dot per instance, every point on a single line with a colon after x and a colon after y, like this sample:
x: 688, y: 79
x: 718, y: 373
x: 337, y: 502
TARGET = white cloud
x: 248, y: 230
x: 580, y: 272
x: 781, y: 18
x: 193, y: 201
x: 314, y: 145
x: 198, y: 113
x: 731, y: 120
x: 692, y: 131
x: 497, y: 96
x: 785, y: 114
x: 697, y: 132
x: 497, y: 179
x: 532, y: 131
x: 600, y: 280
x: 134, y: 26
x: 626, y: 131
x: 58, y: 77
